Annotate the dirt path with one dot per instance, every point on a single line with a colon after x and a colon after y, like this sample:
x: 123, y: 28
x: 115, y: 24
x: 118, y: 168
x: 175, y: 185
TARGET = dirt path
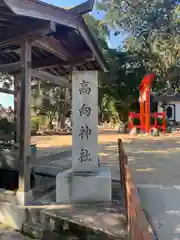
x: 152, y: 160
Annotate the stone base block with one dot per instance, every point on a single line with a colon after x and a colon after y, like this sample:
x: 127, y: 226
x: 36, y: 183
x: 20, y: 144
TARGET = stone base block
x: 12, y: 215
x: 16, y: 197
x: 84, y: 187
x: 23, y: 198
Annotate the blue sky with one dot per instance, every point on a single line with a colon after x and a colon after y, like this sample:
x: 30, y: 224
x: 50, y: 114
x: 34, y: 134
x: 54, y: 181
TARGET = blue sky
x: 8, y: 100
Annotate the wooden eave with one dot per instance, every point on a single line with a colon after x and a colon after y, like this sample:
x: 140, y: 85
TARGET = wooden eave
x: 167, y: 98
x: 63, y: 43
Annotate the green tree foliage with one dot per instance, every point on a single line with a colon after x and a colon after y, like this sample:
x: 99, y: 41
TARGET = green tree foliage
x: 49, y: 101
x: 153, y: 27
x: 124, y: 78
x: 6, y: 81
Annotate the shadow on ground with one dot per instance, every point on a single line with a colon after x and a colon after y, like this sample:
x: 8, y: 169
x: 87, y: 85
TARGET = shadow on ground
x: 151, y: 161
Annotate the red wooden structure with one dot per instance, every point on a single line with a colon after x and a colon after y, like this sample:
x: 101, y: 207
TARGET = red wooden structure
x: 145, y: 114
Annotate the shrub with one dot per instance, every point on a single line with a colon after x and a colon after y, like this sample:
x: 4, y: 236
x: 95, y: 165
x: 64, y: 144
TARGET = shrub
x: 6, y: 126
x: 136, y: 121
x: 34, y: 124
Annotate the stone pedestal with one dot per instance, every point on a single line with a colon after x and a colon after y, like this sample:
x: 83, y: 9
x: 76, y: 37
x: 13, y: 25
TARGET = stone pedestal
x: 74, y: 187
x: 87, y: 181
x: 23, y: 198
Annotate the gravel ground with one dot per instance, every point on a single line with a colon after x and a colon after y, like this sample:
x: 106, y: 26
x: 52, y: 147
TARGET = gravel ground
x: 152, y: 160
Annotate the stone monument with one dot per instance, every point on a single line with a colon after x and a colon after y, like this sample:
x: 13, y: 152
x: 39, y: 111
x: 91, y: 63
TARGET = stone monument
x: 86, y: 181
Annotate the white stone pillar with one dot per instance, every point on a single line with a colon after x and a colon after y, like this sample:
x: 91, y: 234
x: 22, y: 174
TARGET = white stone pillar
x: 85, y: 121
x: 86, y: 182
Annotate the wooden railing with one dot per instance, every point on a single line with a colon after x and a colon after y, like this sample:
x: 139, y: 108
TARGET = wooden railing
x: 138, y: 225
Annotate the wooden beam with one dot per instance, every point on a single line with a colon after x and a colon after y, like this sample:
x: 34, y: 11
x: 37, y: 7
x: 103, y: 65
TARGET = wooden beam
x: 41, y: 63
x: 82, y: 8
x: 10, y: 19
x: 7, y: 91
x: 25, y: 126
x: 10, y: 67
x: 6, y: 25
x: 41, y: 10
x: 14, y: 19
x: 39, y: 31
x: 50, y: 44
x: 61, y: 81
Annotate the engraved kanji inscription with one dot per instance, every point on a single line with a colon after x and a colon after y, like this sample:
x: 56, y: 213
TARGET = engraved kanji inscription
x: 85, y: 131
x: 84, y: 156
x: 85, y: 111
x: 84, y: 89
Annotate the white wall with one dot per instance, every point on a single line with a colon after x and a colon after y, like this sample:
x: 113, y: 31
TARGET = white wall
x: 177, y: 109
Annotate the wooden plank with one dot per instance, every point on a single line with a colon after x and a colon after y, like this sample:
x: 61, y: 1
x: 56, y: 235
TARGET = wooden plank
x: 138, y: 225
x: 50, y: 44
x: 61, y: 81
x: 25, y: 113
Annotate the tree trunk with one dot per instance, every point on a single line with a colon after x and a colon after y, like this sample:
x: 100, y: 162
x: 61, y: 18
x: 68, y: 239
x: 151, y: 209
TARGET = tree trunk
x: 61, y: 121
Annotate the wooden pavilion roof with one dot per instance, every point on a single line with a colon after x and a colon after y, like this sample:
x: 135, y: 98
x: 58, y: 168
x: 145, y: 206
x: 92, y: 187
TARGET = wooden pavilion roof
x: 61, y: 38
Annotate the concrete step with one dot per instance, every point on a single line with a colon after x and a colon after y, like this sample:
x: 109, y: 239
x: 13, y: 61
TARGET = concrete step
x: 33, y: 230
x: 60, y: 221
x: 40, y: 191
x: 36, y: 231
x: 64, y: 220
x: 98, y: 221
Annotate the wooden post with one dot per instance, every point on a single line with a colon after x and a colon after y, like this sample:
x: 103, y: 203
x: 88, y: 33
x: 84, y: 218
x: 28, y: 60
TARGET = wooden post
x: 25, y: 127
x: 123, y: 161
x: 17, y: 96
